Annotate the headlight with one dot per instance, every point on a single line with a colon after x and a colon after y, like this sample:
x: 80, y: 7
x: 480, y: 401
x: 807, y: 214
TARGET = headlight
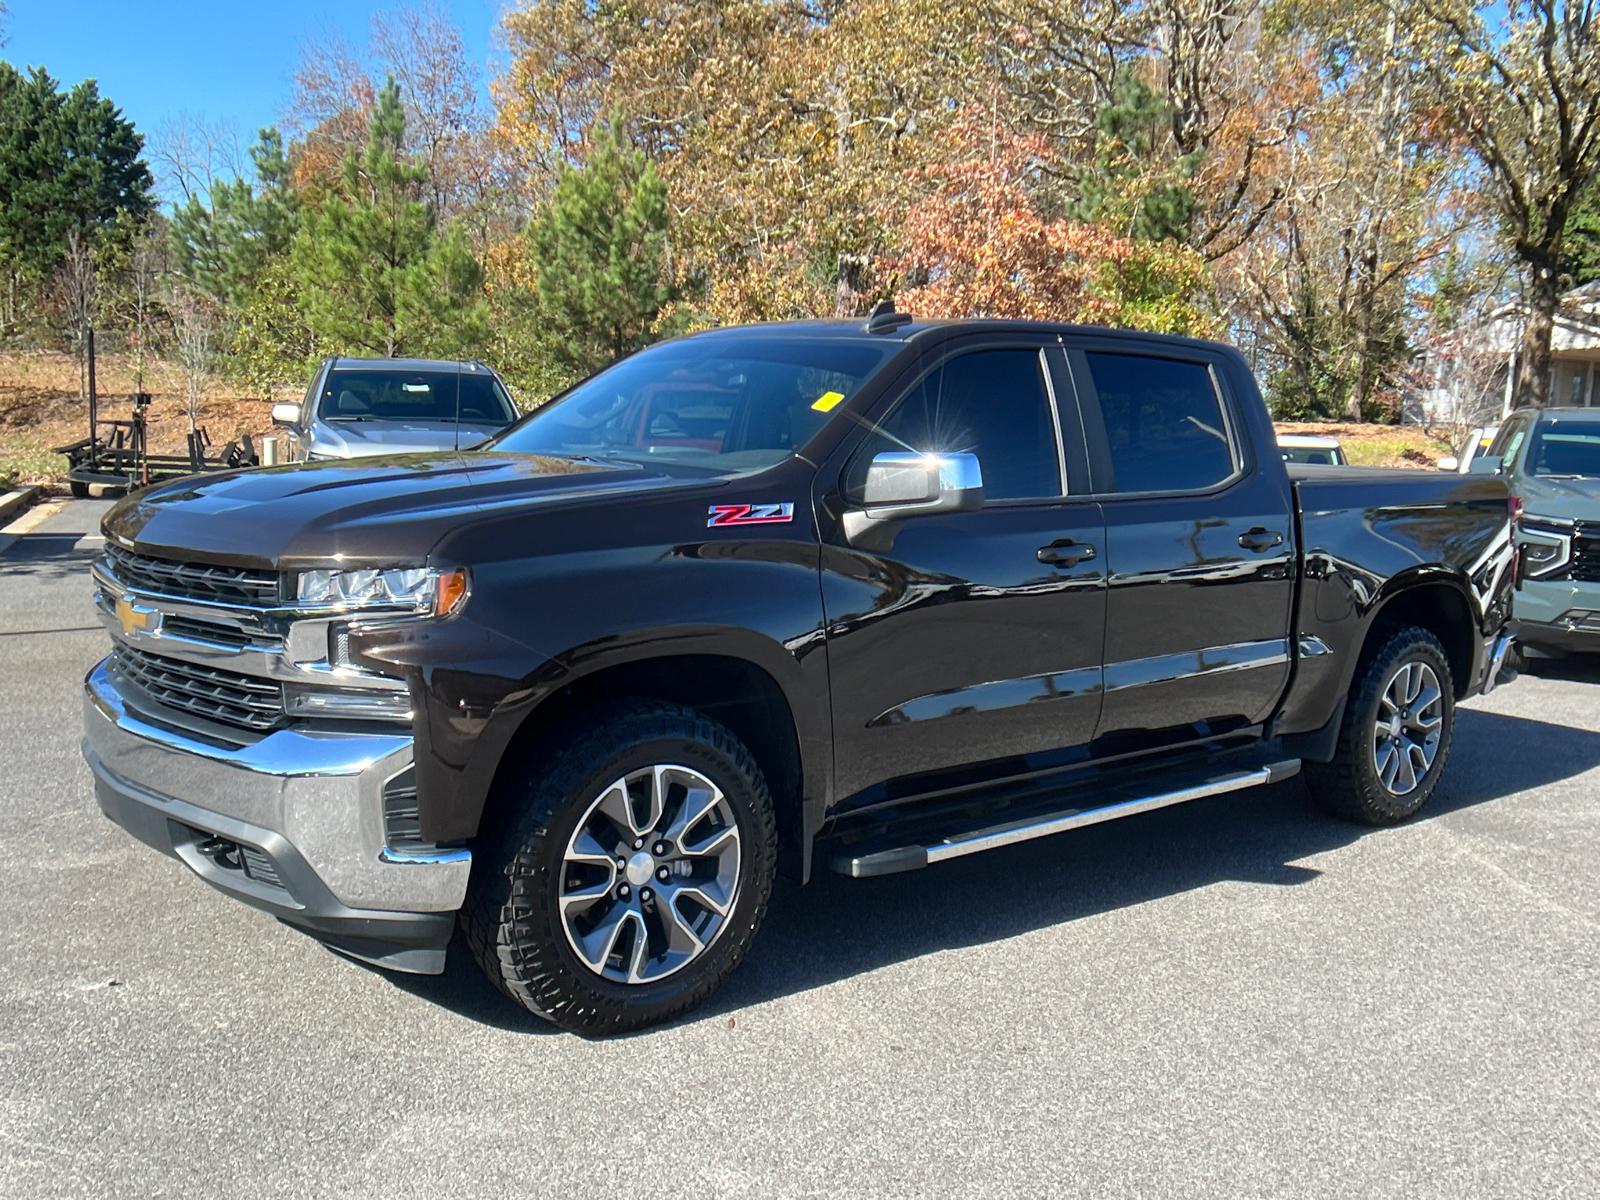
x: 1546, y: 546
x: 409, y: 590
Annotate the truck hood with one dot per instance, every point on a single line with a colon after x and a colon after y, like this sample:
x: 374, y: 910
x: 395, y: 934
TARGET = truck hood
x: 1574, y: 499
x: 357, y: 439
x: 371, y: 511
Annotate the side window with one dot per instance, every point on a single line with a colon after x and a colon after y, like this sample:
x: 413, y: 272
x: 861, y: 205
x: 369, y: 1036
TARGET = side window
x: 1164, y: 423
x: 1509, y: 441
x: 308, y: 406
x: 993, y: 403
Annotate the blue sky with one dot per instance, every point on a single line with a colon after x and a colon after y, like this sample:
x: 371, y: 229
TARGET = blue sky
x: 225, y: 60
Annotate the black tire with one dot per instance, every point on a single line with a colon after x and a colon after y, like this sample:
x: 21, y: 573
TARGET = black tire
x: 1351, y: 786
x: 511, y: 916
x: 80, y: 490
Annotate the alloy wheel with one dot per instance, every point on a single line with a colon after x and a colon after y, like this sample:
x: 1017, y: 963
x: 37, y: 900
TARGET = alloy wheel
x: 650, y: 874
x: 1405, y: 738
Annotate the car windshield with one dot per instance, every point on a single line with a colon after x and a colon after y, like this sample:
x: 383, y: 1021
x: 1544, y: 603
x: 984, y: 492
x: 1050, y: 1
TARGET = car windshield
x: 386, y: 395
x: 728, y: 403
x: 1566, y: 449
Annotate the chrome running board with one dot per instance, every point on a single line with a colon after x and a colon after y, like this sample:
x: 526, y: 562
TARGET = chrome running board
x: 910, y: 858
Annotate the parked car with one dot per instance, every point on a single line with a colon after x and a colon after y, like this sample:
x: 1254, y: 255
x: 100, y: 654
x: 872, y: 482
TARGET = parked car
x: 1475, y: 443
x: 358, y: 407
x: 1551, y: 459
x: 1317, y: 451
x: 827, y: 595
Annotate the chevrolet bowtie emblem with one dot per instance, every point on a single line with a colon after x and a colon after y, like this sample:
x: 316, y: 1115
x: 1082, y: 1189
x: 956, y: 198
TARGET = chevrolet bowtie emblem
x: 136, y: 618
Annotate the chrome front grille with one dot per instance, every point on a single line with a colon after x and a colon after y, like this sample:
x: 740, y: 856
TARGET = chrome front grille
x: 208, y: 632
x: 245, y: 701
x: 204, y: 582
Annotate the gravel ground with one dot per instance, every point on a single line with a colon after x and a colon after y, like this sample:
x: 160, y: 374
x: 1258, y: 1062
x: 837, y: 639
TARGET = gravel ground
x: 1237, y: 997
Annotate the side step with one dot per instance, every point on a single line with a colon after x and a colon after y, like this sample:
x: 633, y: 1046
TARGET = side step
x: 910, y: 858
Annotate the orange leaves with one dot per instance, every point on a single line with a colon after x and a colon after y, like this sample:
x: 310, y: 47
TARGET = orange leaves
x: 977, y: 246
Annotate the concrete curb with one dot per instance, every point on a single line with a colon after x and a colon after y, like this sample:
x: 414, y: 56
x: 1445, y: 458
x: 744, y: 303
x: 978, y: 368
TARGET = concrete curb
x: 14, y: 502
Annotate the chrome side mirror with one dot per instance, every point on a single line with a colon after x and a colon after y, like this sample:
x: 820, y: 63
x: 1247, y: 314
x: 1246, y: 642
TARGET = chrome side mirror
x: 901, y: 485
x: 1449, y: 463
x: 286, y: 414
x: 1486, y: 464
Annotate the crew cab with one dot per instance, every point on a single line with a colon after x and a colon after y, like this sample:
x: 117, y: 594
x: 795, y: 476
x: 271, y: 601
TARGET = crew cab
x: 802, y: 597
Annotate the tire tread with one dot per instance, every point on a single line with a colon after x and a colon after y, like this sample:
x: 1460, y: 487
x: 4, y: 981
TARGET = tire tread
x: 499, y: 915
x: 1339, y: 786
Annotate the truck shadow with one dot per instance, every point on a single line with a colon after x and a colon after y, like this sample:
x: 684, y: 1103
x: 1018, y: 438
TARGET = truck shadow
x: 837, y: 928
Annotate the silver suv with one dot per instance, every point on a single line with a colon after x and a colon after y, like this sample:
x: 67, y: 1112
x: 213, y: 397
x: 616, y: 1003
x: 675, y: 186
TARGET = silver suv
x: 357, y: 407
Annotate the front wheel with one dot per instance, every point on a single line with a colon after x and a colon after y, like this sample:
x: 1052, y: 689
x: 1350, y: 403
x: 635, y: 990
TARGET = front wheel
x: 1396, y: 732
x: 632, y: 873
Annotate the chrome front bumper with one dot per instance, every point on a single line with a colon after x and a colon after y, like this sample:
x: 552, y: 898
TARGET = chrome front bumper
x: 310, y: 802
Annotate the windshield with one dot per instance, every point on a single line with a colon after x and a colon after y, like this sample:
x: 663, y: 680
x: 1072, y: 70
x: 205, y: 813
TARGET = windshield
x: 1566, y: 449
x: 415, y: 396
x: 1322, y: 456
x: 728, y: 402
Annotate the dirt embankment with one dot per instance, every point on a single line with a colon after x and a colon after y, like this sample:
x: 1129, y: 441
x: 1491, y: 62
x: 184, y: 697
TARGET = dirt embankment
x: 40, y: 408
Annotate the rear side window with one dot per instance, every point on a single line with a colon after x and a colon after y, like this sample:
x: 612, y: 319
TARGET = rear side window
x: 992, y: 403
x: 1164, y: 424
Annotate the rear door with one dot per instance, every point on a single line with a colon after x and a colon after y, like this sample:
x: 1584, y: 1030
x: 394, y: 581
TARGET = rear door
x: 973, y: 640
x: 1199, y: 545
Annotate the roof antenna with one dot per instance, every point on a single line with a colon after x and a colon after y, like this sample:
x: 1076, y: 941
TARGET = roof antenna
x: 884, y: 319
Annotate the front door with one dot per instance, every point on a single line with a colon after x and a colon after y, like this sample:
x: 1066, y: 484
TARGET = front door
x: 975, y: 637
x: 1199, y: 548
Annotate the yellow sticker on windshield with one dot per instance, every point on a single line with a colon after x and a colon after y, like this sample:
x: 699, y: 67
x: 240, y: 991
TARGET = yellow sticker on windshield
x: 828, y: 401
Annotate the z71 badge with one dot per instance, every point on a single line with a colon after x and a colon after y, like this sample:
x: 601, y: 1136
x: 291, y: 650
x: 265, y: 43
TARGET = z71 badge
x: 750, y: 514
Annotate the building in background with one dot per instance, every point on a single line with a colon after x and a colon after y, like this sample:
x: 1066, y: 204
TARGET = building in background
x: 1465, y: 378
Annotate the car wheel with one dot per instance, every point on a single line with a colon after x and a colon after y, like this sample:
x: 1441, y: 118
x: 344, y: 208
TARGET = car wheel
x: 1396, y: 732
x: 630, y: 873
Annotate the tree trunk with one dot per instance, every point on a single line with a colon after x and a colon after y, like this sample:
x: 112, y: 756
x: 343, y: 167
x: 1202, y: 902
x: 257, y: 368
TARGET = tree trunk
x: 1533, y: 369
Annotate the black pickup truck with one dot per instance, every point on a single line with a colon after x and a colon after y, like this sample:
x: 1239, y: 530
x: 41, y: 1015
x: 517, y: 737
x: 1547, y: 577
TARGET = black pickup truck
x: 816, y: 596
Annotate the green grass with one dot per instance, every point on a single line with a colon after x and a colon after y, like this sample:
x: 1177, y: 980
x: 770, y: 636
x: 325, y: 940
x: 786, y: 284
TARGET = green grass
x: 29, y: 460
x: 1414, y: 447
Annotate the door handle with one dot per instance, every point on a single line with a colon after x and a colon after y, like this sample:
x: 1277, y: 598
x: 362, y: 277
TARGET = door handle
x: 1065, y: 553
x: 1260, y: 538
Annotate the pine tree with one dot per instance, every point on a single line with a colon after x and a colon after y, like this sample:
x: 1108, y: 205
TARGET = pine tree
x: 599, y: 250
x: 223, y: 247
x: 1129, y: 186
x: 1583, y: 237
x: 68, y: 162
x: 376, y: 274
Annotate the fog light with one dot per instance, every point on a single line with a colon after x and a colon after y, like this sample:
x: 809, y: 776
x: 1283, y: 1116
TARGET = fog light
x: 364, y: 705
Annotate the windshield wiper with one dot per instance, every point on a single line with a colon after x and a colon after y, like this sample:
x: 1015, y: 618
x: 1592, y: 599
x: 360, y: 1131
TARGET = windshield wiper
x: 347, y: 418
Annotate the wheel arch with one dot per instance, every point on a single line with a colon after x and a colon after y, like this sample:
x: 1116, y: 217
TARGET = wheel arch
x: 733, y: 690
x: 1440, y: 604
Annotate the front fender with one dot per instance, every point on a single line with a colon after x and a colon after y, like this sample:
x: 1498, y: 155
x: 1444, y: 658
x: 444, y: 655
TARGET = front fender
x: 560, y: 597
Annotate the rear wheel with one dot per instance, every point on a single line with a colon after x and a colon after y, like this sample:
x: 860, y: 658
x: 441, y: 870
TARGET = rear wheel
x: 1396, y: 732
x: 80, y: 490
x: 632, y: 873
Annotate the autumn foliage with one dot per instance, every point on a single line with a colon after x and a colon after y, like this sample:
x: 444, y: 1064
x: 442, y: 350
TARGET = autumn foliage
x: 975, y: 245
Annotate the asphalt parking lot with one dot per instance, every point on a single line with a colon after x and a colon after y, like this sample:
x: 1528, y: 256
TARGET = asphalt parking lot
x: 1237, y: 997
